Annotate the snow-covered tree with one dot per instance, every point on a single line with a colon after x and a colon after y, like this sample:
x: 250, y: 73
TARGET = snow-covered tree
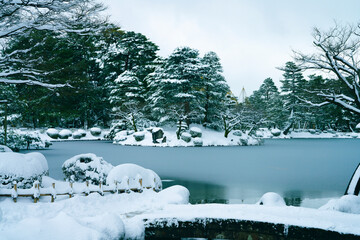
x: 177, y: 82
x: 337, y: 52
x: 214, y: 88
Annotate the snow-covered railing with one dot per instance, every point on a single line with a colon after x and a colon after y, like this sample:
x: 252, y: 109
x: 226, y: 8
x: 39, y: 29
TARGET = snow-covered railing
x: 85, y: 189
x: 354, y: 185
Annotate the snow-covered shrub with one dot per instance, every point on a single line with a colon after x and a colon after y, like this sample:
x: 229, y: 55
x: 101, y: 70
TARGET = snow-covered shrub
x: 198, y: 142
x: 243, y: 140
x: 195, y: 132
x: 312, y: 131
x: 185, y: 136
x: 271, y: 199
x: 15, y: 141
x: 133, y: 173
x: 237, y: 133
x: 275, y: 132
x: 65, y: 134
x: 82, y: 132
x: 25, y: 169
x: 115, y: 128
x: 347, y: 204
x: 34, y: 141
x: 95, y: 131
x: 4, y: 148
x: 139, y: 136
x: 77, y: 135
x: 86, y: 167
x: 53, y: 133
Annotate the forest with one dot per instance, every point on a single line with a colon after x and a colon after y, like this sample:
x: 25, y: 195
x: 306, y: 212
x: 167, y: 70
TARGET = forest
x: 85, y: 71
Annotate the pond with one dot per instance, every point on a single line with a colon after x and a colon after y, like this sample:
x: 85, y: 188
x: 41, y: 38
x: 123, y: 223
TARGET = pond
x: 305, y: 172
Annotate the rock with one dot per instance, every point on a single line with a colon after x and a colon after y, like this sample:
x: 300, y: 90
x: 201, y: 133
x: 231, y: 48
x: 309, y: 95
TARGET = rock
x: 164, y: 139
x: 198, y: 142
x: 312, y: 131
x: 120, y: 138
x: 157, y: 133
x: 195, y: 132
x: 95, y: 131
x: 53, y: 133
x: 65, y: 134
x: 185, y: 136
x: 243, y: 141
x: 275, y: 132
x: 139, y: 136
x: 77, y: 135
x: 237, y: 133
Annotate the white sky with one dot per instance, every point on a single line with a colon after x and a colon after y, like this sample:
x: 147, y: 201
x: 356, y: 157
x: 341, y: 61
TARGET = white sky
x: 252, y: 37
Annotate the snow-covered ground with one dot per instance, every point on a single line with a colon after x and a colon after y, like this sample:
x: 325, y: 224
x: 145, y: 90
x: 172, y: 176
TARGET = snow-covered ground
x: 114, y: 216
x: 307, y: 133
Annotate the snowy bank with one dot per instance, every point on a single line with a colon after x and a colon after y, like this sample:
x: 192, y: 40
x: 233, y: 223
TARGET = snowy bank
x: 196, y: 136
x: 305, y: 133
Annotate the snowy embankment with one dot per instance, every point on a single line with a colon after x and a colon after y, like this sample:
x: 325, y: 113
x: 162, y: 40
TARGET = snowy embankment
x: 306, y: 133
x: 115, y: 216
x: 195, y: 136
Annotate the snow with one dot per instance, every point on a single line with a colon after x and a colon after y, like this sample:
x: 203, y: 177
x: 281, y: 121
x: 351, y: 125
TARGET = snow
x: 306, y: 133
x: 52, y: 132
x: 22, y: 165
x: 4, y: 148
x: 346, y: 204
x: 95, y: 131
x: 65, y: 133
x: 133, y: 173
x: 357, y: 126
x: 271, y: 199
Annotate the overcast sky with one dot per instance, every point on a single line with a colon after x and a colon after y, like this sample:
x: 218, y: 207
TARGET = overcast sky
x: 251, y: 37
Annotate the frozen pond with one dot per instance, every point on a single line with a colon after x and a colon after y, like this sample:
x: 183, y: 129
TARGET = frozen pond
x: 304, y: 171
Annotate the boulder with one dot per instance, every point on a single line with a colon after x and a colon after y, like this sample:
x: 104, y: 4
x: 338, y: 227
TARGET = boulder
x: 312, y: 131
x: 198, y: 142
x: 275, y: 132
x: 185, y: 136
x: 237, y: 133
x: 164, y: 139
x: 95, y: 131
x: 157, y: 133
x: 139, y: 136
x: 195, y: 132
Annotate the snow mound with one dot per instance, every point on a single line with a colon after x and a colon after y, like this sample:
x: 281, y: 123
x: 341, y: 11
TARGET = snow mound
x: 65, y: 134
x: 4, y: 148
x: 53, y: 133
x: 86, y: 167
x: 276, y: 132
x: 25, y: 169
x: 347, y: 204
x: 133, y: 173
x: 271, y: 199
x: 175, y: 195
x: 95, y: 131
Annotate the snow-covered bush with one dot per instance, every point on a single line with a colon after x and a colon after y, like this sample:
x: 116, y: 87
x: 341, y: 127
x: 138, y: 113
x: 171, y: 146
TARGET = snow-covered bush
x: 82, y: 132
x: 347, y: 204
x: 120, y: 136
x: 185, y: 136
x: 77, y: 135
x: 53, y: 133
x: 25, y: 169
x: 23, y: 140
x: 115, y: 128
x: 195, y: 132
x: 65, y: 134
x: 139, y: 136
x: 243, y: 140
x: 198, y: 142
x: 95, y: 131
x: 312, y: 131
x: 4, y: 148
x: 86, y: 167
x: 275, y: 132
x: 237, y: 133
x: 271, y: 199
x: 132, y: 173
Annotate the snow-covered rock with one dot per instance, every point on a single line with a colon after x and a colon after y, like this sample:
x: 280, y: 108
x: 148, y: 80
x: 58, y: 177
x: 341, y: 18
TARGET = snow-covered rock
x: 4, y: 148
x: 157, y: 133
x: 53, y: 133
x: 198, y: 142
x: 195, y: 132
x: 271, y: 199
x: 312, y: 131
x: 25, y: 169
x: 65, y: 134
x: 95, y: 131
x: 86, y: 167
x: 275, y: 132
x: 347, y: 204
x: 133, y: 173
x: 139, y: 136
x: 185, y: 136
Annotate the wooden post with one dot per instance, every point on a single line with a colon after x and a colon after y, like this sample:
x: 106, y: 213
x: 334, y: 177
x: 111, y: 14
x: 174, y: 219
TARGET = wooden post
x: 15, y: 194
x: 141, y: 187
x: 71, y: 190
x: 53, y: 194
x: 116, y: 187
x: 5, y: 125
x: 87, y: 191
x: 100, y: 189
x: 36, y: 192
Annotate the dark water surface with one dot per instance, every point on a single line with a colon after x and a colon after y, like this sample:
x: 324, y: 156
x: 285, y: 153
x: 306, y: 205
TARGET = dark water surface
x: 301, y: 170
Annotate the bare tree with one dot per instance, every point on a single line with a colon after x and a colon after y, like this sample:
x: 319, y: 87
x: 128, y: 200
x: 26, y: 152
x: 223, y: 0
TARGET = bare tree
x: 19, y: 17
x: 337, y: 53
